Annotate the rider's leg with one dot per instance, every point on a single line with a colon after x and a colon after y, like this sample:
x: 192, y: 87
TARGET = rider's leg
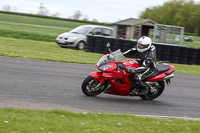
x: 143, y: 88
x: 139, y: 80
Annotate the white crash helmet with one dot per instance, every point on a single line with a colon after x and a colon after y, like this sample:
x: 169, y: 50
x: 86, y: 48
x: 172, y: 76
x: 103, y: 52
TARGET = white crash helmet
x: 143, y: 44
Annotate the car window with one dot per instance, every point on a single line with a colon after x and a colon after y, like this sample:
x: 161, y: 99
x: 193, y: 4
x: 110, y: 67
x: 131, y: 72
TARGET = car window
x: 81, y: 30
x: 107, y: 32
x: 96, y: 31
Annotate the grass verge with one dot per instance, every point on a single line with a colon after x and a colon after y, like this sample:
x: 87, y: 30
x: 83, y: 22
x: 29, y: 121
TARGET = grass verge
x: 38, y: 21
x: 30, y: 32
x: 50, y: 51
x: 44, y: 51
x: 55, y: 121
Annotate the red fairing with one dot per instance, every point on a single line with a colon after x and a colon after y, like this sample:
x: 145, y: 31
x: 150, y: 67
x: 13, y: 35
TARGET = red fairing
x: 128, y: 63
x: 98, y: 76
x: 120, y: 89
x: 117, y: 88
x: 162, y: 75
x: 120, y: 82
x: 111, y: 75
x: 131, y: 64
x: 157, y: 77
x: 115, y: 74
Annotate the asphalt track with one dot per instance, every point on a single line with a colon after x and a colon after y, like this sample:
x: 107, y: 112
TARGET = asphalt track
x: 26, y: 82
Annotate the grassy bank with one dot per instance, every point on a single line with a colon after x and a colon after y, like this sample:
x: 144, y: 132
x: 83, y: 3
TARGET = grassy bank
x: 38, y: 21
x: 53, y: 18
x: 46, y: 34
x: 30, y: 32
x: 33, y: 32
x: 44, y: 51
x: 50, y: 51
x: 54, y: 121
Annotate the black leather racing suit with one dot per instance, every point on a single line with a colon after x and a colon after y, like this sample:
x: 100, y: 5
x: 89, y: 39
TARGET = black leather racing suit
x: 147, y: 61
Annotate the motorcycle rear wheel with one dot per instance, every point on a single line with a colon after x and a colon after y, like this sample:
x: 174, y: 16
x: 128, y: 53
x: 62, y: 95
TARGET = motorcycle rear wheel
x: 89, y: 86
x: 151, y: 96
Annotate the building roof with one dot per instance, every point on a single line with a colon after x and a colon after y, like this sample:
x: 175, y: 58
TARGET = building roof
x: 134, y: 21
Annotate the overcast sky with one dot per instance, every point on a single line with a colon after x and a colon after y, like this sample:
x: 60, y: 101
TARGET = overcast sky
x: 102, y: 10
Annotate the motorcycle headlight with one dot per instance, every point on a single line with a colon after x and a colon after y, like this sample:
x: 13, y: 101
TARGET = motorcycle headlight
x: 105, y: 67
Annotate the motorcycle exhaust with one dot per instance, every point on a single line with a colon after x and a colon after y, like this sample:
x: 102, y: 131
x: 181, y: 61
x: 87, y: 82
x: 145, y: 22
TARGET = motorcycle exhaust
x: 167, y: 78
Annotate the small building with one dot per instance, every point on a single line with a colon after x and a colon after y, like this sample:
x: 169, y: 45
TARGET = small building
x: 132, y: 28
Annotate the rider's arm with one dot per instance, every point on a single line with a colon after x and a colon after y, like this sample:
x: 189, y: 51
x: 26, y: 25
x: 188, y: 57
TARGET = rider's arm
x: 146, y: 65
x: 130, y: 52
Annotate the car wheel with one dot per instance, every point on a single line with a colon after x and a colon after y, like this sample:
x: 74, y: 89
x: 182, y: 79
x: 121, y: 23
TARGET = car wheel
x: 81, y: 45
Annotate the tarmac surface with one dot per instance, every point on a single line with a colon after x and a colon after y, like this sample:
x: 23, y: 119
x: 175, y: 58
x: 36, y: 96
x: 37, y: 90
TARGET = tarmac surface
x: 27, y: 83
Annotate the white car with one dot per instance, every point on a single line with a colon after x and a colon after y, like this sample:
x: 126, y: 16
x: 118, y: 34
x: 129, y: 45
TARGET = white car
x: 77, y: 37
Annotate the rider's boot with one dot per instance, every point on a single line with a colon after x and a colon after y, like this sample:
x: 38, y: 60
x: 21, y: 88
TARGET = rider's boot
x: 144, y: 89
x: 133, y: 89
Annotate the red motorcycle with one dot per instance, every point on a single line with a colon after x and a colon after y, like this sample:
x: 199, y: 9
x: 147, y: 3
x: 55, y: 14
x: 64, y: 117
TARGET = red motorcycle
x: 111, y: 79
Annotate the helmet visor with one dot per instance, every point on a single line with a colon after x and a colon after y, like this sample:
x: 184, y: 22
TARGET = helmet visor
x: 141, y: 46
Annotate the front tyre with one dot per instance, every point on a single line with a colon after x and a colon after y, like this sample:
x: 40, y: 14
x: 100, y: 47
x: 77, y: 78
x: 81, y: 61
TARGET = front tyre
x: 156, y: 90
x: 92, y: 87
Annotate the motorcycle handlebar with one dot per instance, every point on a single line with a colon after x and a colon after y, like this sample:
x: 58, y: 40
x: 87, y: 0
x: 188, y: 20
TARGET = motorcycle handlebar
x: 118, y: 68
x: 120, y: 65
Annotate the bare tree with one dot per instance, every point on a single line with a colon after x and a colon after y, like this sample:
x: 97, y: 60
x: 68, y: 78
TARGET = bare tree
x: 56, y: 14
x: 95, y: 20
x: 43, y: 10
x: 77, y: 14
x: 85, y: 18
x: 14, y: 9
x: 6, y: 8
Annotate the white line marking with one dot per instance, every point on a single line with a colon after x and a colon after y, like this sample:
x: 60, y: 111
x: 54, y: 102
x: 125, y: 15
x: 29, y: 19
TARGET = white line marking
x: 174, y: 117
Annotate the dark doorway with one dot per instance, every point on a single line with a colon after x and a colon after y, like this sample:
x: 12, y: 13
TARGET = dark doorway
x: 146, y: 29
x: 121, y: 32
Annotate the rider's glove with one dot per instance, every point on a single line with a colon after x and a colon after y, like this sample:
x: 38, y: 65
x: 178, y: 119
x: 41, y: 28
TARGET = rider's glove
x: 129, y: 70
x: 126, y: 69
x: 122, y: 66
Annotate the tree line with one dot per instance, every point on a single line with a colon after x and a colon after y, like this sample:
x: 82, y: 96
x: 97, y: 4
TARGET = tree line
x: 184, y: 13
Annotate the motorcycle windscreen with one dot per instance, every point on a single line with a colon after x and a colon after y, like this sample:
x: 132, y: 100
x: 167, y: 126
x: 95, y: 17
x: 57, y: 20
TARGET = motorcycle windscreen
x: 117, y: 55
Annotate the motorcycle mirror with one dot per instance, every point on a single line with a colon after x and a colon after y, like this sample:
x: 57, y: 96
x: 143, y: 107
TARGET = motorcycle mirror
x: 108, y: 45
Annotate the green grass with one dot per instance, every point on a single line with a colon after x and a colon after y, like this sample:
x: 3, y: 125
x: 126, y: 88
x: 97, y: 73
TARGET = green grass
x: 54, y: 121
x: 187, y: 69
x: 38, y: 21
x: 30, y: 32
x: 196, y: 42
x: 32, y: 29
x: 44, y: 51
x: 192, y: 44
x: 50, y: 51
x: 54, y: 18
x: 46, y: 34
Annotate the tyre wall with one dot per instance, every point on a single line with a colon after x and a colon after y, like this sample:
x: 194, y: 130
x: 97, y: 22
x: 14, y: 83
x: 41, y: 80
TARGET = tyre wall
x: 180, y: 54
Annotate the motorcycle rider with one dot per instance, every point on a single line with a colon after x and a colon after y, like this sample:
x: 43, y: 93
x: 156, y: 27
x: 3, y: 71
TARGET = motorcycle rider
x: 147, y: 61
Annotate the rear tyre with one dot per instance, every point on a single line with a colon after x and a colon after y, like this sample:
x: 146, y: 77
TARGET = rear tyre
x: 92, y: 87
x: 158, y: 89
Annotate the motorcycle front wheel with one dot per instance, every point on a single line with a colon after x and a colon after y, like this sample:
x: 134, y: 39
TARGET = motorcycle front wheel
x: 92, y: 87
